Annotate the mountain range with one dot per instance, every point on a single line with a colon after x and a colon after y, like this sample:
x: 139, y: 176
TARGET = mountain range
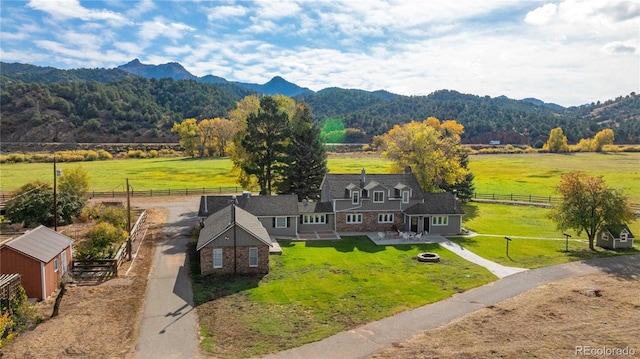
x: 137, y: 102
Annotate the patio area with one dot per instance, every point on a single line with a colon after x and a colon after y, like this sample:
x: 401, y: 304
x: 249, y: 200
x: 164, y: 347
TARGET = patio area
x: 392, y: 238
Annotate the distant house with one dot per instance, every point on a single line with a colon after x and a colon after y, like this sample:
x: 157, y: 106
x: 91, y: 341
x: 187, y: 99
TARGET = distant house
x: 41, y: 256
x: 233, y: 241
x: 614, y: 237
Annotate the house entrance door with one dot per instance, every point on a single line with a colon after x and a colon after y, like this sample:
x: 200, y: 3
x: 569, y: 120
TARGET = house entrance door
x: 414, y: 224
x: 426, y: 225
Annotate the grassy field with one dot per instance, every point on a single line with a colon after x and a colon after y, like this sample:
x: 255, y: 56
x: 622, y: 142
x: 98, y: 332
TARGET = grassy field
x: 319, y: 288
x: 538, y: 174
x: 525, y: 174
x: 536, y: 242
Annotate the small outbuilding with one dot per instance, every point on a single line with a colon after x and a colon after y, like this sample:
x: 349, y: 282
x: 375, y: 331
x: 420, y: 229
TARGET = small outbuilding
x: 615, y: 237
x: 233, y: 241
x: 41, y: 256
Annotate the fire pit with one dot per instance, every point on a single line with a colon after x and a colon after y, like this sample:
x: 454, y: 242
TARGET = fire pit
x: 428, y: 257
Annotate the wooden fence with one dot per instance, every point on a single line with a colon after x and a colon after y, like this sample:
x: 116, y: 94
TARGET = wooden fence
x: 9, y: 286
x: 110, y: 266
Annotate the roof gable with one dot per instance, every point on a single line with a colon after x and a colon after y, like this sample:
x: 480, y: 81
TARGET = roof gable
x: 338, y: 183
x: 40, y: 243
x: 221, y: 221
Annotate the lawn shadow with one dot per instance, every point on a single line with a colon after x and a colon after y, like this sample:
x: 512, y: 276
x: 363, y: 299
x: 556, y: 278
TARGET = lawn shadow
x: 347, y: 244
x: 464, y: 241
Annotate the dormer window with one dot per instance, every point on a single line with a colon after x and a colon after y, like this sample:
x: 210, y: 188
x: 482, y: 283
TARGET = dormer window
x: 624, y: 235
x: 405, y: 196
x: 355, y: 197
x: 378, y: 197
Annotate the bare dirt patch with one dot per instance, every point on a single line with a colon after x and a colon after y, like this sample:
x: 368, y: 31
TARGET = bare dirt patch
x: 95, y: 321
x: 598, y: 311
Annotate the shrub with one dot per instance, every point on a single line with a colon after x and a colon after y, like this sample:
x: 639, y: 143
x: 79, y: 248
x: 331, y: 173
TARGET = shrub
x: 103, y: 242
x: 104, y: 155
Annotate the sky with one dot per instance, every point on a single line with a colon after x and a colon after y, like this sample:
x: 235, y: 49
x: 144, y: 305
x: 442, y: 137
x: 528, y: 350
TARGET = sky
x: 569, y: 52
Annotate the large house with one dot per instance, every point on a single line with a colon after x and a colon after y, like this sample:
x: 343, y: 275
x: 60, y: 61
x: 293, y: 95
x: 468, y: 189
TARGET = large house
x: 351, y: 203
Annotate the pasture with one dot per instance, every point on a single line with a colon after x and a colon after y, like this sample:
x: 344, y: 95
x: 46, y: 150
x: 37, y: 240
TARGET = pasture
x: 525, y: 174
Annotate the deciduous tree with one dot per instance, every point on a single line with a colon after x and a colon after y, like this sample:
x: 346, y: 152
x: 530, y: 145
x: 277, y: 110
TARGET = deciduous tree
x: 601, y: 139
x: 588, y: 204
x: 557, y: 141
x: 434, y: 153
x: 189, y: 137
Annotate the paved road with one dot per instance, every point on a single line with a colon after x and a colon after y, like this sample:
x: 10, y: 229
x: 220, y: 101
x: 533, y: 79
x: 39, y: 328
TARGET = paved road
x: 372, y: 337
x: 169, y: 323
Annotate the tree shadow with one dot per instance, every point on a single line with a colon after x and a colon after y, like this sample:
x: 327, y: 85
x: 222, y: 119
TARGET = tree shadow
x: 623, y: 266
x: 471, y: 211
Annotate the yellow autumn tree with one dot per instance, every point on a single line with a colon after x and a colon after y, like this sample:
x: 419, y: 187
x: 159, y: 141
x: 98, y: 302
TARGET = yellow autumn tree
x: 557, y: 141
x: 189, y: 136
x: 434, y: 154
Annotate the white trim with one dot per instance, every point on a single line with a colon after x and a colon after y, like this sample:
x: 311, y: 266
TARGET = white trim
x: 219, y: 250
x: 256, y: 256
x: 44, y: 280
x: 386, y: 218
x: 353, y: 218
x: 279, y: 225
x: 440, y: 221
x: 374, y: 197
x: 406, y: 195
x: 355, y: 197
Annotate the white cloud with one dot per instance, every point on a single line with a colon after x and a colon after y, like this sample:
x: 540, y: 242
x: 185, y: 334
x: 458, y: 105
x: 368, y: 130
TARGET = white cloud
x: 276, y: 9
x: 221, y: 13
x: 161, y: 27
x: 71, y: 9
x: 141, y: 8
x: 542, y: 15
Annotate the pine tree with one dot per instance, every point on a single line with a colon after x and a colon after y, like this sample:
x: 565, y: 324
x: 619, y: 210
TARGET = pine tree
x: 307, y: 158
x: 266, y: 142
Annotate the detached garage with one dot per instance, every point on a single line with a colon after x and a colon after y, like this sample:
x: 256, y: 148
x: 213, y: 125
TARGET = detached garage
x: 41, y: 256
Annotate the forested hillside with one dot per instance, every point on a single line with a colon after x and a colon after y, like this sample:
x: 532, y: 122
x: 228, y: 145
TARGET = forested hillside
x: 43, y: 104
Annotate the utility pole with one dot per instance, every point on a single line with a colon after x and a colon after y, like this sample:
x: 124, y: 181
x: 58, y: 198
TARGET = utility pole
x: 129, y: 246
x: 55, y: 195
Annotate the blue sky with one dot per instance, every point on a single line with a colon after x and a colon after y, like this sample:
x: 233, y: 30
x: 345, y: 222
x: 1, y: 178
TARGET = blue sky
x: 569, y: 52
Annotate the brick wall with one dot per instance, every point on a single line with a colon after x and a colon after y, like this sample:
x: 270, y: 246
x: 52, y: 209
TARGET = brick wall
x: 242, y: 261
x: 369, y: 222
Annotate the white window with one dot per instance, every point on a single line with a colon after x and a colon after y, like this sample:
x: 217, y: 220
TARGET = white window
x: 314, y: 219
x: 63, y: 259
x: 440, y: 220
x: 385, y: 218
x: 378, y: 197
x: 55, y: 264
x: 353, y: 218
x: 355, y: 197
x: 605, y: 236
x: 217, y: 258
x: 253, y: 257
x: 281, y: 222
x: 623, y: 236
x: 405, y: 196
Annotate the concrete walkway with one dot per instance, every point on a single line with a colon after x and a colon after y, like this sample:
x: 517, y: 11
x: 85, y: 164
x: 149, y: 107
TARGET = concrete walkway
x: 169, y: 324
x: 498, y: 270
x: 372, y: 337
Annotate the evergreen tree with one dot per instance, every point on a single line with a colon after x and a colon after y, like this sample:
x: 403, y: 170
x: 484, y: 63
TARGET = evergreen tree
x: 307, y: 158
x: 266, y: 142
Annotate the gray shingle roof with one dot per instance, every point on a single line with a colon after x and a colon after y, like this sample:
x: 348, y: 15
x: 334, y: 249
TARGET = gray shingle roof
x: 220, y: 221
x: 339, y: 182
x: 616, y: 231
x: 40, y: 243
x: 436, y: 203
x: 282, y: 205
x: 315, y: 207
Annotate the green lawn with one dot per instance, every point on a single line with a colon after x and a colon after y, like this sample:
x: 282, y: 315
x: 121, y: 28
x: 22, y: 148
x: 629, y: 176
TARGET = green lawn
x: 319, y: 288
x: 536, y: 242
